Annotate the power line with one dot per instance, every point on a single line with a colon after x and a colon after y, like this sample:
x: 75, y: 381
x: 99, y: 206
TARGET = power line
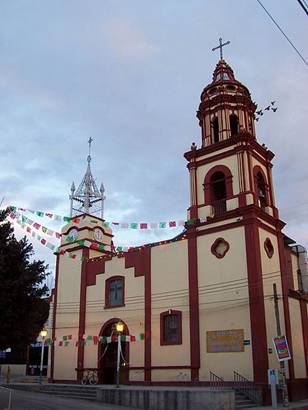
x: 303, y: 6
x: 284, y: 34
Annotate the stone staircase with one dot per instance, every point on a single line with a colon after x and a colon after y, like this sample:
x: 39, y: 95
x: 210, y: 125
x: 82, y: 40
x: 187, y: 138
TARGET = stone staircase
x: 243, y: 402
x: 72, y: 391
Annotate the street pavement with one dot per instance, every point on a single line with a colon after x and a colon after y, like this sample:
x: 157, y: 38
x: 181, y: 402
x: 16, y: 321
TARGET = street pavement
x: 22, y: 400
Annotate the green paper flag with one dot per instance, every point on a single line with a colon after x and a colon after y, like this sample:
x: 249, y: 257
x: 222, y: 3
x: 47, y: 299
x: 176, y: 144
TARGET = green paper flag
x: 64, y: 338
x: 106, y: 224
x: 89, y: 338
x: 39, y: 213
x: 162, y: 224
x: 44, y: 229
x: 123, y: 338
x: 190, y: 222
x: 100, y: 247
x: 119, y: 248
x: 134, y: 225
x: 66, y: 219
x: 81, y: 242
x: 66, y: 343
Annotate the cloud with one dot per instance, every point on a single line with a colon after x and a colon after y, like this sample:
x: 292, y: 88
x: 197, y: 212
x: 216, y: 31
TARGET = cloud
x: 127, y: 40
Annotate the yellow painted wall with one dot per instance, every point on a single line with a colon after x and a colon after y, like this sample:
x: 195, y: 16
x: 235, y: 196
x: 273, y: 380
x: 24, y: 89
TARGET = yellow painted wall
x: 223, y: 299
x: 271, y: 274
x: 67, y: 316
x: 170, y: 291
x: 297, y: 339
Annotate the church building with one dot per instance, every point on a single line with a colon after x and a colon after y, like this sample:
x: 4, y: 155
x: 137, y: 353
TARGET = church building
x: 200, y: 305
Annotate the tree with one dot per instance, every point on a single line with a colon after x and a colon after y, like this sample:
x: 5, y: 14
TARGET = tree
x: 23, y: 305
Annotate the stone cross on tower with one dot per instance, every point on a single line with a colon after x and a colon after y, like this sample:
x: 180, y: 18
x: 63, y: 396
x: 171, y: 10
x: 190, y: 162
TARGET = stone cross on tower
x: 221, y: 45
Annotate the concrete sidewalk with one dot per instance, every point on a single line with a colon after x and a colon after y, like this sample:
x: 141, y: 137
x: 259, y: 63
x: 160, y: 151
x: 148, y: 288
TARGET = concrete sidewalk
x: 298, y: 405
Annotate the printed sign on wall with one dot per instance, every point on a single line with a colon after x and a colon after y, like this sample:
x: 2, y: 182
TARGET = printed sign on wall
x: 219, y: 341
x: 282, y: 348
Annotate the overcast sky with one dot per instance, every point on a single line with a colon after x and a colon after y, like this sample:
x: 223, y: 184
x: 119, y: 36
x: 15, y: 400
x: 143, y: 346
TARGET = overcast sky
x: 130, y: 74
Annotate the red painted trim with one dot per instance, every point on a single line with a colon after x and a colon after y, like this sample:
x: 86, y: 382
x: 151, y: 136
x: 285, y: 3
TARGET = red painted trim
x: 193, y: 304
x: 95, y: 267
x: 257, y: 169
x: 147, y: 315
x: 54, y: 320
x: 82, y: 311
x: 107, y: 291
x: 87, y: 228
x: 244, y: 137
x: 256, y: 303
x: 304, y: 316
x: 141, y: 262
x: 159, y: 367
x: 216, y: 243
x: 163, y: 315
x: 285, y: 292
x: 268, y: 247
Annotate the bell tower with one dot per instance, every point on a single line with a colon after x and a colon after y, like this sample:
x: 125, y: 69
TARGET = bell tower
x: 230, y: 170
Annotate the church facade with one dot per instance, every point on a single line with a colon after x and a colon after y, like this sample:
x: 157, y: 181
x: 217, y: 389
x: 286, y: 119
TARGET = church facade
x: 204, y: 300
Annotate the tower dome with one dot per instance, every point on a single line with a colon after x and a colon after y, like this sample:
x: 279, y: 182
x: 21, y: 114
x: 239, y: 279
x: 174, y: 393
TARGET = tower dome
x: 226, y: 108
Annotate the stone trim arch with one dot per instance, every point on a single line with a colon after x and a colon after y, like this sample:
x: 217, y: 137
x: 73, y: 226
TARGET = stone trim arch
x: 257, y: 169
x: 208, y: 195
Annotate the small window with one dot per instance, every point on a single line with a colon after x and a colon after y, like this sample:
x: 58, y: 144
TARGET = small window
x: 171, y: 327
x: 215, y: 130
x: 261, y: 190
x: 234, y: 124
x: 114, y: 294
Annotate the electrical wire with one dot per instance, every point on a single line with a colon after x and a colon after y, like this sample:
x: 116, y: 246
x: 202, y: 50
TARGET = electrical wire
x: 304, y: 7
x: 284, y: 34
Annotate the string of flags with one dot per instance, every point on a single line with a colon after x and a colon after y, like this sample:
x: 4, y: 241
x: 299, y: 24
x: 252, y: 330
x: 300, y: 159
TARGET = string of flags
x: 120, y: 250
x: 37, y: 226
x: 261, y: 112
x: 68, y: 340
x: 121, y: 225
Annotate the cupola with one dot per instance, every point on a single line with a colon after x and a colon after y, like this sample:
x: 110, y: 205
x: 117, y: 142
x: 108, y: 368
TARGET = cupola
x: 226, y: 108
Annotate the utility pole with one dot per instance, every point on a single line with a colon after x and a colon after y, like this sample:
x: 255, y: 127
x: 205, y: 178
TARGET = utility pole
x: 285, y: 396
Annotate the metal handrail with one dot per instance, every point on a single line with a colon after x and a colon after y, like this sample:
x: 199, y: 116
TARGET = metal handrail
x: 216, y: 382
x: 247, y: 388
x: 220, y: 207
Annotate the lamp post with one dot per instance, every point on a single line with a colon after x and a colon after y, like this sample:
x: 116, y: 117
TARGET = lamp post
x: 43, y: 334
x: 120, y: 328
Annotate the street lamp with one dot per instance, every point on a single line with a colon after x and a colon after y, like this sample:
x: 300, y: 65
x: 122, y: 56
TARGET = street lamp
x: 43, y: 334
x: 119, y: 328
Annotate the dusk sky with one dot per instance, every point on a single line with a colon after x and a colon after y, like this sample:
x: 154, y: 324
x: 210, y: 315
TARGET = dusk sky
x: 130, y: 74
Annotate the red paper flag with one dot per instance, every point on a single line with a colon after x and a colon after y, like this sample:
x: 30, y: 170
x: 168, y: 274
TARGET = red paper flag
x: 49, y: 215
x: 172, y: 224
x: 58, y: 235
x: 28, y: 229
x: 94, y: 246
x: 70, y: 337
x: 36, y: 225
x: 43, y: 241
x: 133, y: 338
x: 143, y: 226
x: 95, y: 340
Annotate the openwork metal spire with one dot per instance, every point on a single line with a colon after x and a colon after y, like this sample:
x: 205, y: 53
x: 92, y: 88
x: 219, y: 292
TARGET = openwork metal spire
x: 87, y: 199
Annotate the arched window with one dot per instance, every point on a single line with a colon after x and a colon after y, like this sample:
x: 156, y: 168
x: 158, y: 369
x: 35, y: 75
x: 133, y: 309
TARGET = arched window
x: 261, y: 190
x: 234, y: 124
x: 215, y: 130
x: 114, y: 292
x: 219, y: 192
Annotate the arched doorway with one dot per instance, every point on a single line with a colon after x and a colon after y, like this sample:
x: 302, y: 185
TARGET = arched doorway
x: 107, y: 354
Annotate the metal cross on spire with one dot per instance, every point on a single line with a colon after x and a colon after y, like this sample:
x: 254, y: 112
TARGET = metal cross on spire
x: 88, y: 198
x: 221, y: 45
x: 90, y: 140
